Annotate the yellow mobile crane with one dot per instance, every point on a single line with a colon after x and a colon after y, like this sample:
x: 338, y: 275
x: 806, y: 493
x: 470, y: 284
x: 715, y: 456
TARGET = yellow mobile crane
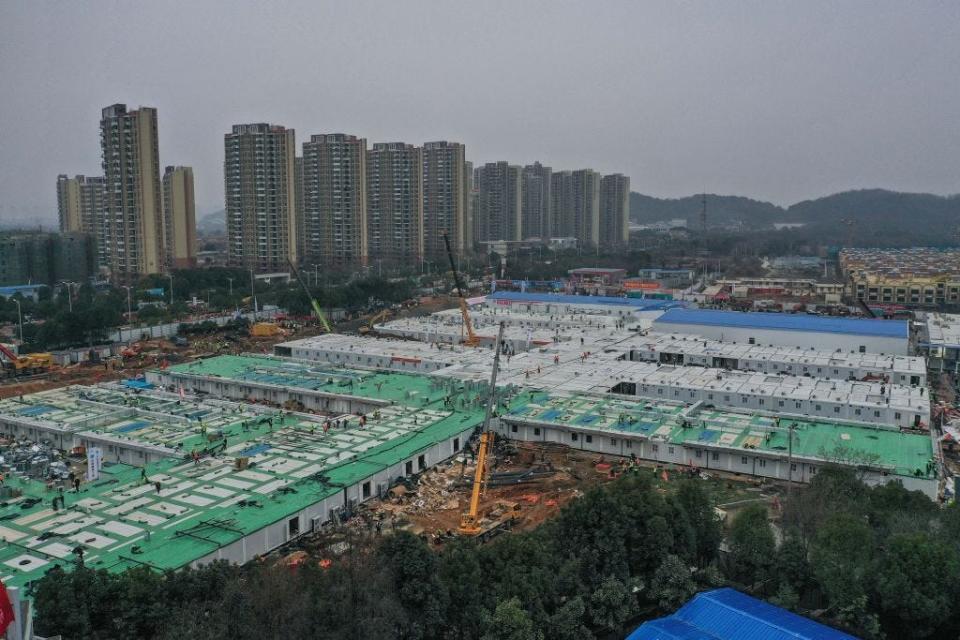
x: 472, y: 339
x: 313, y: 303
x: 470, y: 520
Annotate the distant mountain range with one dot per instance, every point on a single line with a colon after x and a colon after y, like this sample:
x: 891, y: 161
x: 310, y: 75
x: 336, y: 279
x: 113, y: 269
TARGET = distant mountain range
x: 212, y: 223
x: 882, y: 217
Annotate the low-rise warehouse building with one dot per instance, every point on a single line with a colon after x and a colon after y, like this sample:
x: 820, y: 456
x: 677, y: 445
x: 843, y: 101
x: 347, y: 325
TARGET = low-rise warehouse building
x: 264, y: 480
x: 790, y: 330
x: 748, y: 443
x: 939, y: 340
x: 318, y: 387
x: 551, y: 303
x: 687, y: 350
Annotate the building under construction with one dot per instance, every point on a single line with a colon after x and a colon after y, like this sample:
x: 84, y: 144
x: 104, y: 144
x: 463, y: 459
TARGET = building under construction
x: 920, y: 276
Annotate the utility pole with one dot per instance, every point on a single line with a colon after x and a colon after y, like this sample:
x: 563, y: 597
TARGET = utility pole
x: 129, y: 307
x: 230, y: 280
x: 19, y: 318
x: 850, y: 224
x: 253, y: 290
x: 170, y: 276
x: 790, y: 429
x: 703, y: 213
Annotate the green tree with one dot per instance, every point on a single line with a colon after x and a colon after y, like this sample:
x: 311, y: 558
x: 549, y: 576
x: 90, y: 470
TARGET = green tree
x: 696, y: 502
x: 840, y: 558
x: 915, y: 583
x: 413, y: 568
x: 568, y: 622
x: 752, y: 545
x: 511, y: 622
x: 791, y: 566
x: 612, y: 604
x: 460, y: 571
x: 672, y: 584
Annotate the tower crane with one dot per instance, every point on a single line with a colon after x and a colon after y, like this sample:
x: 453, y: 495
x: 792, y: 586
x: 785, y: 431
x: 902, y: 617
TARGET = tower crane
x: 317, y: 311
x: 472, y: 339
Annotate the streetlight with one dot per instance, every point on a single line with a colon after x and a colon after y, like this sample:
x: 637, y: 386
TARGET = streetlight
x: 129, y: 309
x: 69, y: 294
x: 19, y: 318
x: 253, y: 292
x: 230, y: 280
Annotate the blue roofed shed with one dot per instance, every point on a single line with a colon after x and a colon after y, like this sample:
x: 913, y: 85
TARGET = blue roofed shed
x: 727, y: 614
x: 790, y: 330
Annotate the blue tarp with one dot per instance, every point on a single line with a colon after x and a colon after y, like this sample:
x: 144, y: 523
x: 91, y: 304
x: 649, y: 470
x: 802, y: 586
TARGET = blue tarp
x: 133, y: 426
x: 785, y: 322
x: 134, y: 383
x: 256, y: 449
x: 36, y: 410
x: 727, y: 614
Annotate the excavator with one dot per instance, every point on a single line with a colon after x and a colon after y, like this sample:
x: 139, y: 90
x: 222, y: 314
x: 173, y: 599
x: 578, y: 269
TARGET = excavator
x: 472, y: 340
x: 368, y: 327
x: 472, y: 522
x: 26, y: 365
x: 317, y: 311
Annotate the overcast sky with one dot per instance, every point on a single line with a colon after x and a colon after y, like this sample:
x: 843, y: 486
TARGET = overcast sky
x: 780, y: 101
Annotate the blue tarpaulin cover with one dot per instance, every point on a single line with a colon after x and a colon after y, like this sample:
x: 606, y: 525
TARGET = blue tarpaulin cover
x: 727, y: 614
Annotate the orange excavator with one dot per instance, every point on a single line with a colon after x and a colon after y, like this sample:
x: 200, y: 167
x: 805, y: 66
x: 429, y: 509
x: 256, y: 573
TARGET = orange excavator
x: 472, y: 521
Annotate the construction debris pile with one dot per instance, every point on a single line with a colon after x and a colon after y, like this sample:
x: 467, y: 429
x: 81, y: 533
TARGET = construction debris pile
x: 36, y: 460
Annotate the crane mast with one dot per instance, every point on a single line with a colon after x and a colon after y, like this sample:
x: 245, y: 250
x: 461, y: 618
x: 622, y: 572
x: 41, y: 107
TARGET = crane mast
x: 313, y: 303
x: 472, y: 339
x: 470, y: 521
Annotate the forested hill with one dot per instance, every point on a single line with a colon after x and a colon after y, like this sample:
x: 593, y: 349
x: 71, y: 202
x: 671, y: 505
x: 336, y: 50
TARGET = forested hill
x: 720, y: 209
x: 882, y: 217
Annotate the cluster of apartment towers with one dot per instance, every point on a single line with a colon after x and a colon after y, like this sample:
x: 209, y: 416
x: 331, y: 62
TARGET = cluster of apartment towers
x: 339, y: 203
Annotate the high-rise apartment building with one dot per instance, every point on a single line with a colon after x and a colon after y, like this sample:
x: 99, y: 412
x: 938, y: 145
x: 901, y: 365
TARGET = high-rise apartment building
x: 260, y: 198
x: 498, y: 214
x: 444, y: 197
x: 395, y: 201
x: 576, y: 206
x: 469, y: 225
x: 46, y: 258
x: 335, y: 199
x: 81, y: 208
x: 614, y: 212
x: 80, y: 202
x: 179, y: 218
x: 298, y: 198
x: 133, y: 220
x: 536, y: 202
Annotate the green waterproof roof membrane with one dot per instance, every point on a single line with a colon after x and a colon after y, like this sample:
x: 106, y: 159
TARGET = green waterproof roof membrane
x: 122, y: 520
x: 904, y: 454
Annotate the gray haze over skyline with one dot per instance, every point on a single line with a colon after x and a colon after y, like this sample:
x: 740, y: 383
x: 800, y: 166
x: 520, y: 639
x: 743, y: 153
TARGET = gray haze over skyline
x: 780, y: 101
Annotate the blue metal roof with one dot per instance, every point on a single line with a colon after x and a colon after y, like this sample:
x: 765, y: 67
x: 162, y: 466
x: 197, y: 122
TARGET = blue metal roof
x: 639, y: 304
x: 13, y: 290
x: 727, y: 614
x: 787, y: 322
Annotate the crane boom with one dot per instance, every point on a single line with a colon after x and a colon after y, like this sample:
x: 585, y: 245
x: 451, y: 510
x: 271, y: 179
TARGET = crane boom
x: 470, y: 521
x: 317, y: 311
x: 472, y: 339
